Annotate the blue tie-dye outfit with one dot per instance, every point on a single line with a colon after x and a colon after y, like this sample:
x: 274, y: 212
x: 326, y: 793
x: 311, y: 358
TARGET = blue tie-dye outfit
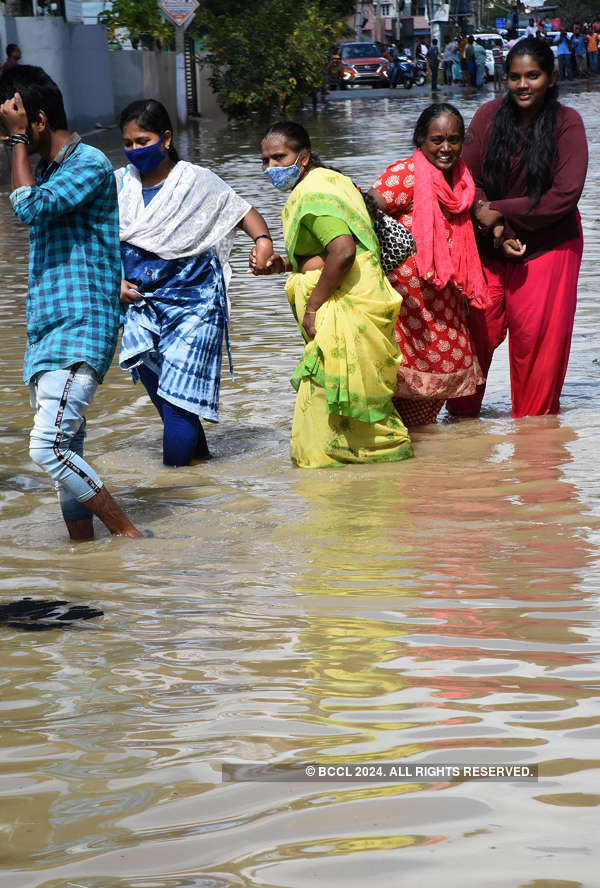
x: 177, y: 329
x: 175, y: 252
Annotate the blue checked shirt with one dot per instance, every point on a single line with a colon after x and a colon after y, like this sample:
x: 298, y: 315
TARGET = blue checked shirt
x: 74, y: 261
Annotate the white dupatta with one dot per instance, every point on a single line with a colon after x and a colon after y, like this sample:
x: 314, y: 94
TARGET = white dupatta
x: 194, y: 211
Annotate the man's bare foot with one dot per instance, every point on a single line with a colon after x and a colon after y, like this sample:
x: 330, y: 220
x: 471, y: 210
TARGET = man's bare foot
x: 116, y: 522
x: 133, y: 533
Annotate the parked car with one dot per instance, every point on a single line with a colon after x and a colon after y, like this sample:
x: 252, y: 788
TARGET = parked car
x: 358, y: 63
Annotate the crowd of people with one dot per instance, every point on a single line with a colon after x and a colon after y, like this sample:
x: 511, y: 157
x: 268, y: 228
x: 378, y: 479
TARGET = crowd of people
x: 493, y: 214
x: 463, y: 59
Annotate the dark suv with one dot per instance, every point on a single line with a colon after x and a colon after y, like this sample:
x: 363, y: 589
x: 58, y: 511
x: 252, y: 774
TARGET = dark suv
x: 357, y: 63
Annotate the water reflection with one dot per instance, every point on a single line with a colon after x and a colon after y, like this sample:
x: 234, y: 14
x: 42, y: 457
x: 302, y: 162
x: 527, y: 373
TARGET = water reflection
x: 441, y: 609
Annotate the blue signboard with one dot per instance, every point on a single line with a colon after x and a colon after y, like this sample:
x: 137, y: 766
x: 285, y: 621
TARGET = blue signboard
x: 501, y: 24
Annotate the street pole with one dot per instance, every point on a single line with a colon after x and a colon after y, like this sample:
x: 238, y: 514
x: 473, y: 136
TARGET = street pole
x: 181, y: 14
x: 180, y: 74
x: 430, y: 16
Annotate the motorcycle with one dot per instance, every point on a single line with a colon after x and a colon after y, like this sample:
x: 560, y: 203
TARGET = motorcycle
x: 402, y: 72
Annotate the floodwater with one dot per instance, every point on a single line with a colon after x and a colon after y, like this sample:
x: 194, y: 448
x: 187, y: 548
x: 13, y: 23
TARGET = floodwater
x: 442, y: 610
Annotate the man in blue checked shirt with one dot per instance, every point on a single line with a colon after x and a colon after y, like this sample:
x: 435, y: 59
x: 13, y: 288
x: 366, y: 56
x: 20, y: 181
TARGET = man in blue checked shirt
x: 74, y: 282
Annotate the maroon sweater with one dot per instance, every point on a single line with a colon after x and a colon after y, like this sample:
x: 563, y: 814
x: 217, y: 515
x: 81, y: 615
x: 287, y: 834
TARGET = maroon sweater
x: 554, y: 219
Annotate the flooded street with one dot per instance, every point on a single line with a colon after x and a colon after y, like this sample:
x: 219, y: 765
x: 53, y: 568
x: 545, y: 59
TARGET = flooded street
x: 442, y: 609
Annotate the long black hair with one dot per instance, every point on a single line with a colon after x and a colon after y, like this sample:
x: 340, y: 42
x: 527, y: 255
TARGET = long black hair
x: 151, y: 116
x: 296, y: 137
x: 537, y: 144
x: 431, y: 113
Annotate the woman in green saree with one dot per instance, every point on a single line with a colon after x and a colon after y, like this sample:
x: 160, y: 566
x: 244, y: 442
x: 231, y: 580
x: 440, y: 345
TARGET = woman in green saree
x: 344, y: 306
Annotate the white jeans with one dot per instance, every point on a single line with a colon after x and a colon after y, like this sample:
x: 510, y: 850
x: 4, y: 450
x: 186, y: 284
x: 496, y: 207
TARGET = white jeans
x: 60, y: 399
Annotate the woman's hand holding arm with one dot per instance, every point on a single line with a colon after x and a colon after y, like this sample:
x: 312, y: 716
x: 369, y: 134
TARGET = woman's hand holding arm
x: 339, y: 259
x: 255, y: 227
x: 274, y: 264
x: 486, y: 219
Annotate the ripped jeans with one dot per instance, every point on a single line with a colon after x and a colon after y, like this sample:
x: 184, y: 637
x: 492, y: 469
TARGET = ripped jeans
x: 60, y: 399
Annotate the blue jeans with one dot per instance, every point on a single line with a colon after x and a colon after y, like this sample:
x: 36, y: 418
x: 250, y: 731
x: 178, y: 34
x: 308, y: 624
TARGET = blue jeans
x: 60, y: 399
x: 564, y: 66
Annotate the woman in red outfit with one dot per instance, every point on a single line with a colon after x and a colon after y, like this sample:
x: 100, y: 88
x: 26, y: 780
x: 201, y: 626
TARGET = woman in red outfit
x: 431, y: 193
x: 528, y: 157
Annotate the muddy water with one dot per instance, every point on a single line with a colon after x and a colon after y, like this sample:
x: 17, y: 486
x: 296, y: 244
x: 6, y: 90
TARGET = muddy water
x: 442, y: 610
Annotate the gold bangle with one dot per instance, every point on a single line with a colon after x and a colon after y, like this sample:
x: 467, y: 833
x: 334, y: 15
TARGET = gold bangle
x: 307, y: 312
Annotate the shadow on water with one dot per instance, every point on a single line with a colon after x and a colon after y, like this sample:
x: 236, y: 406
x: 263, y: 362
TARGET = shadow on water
x: 36, y: 615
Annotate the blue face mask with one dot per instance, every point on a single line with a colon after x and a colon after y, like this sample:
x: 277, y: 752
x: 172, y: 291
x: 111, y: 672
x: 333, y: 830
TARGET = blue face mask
x: 148, y: 158
x: 284, y: 177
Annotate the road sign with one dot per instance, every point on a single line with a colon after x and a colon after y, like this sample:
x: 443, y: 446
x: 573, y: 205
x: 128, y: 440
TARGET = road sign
x: 180, y: 12
x: 501, y: 24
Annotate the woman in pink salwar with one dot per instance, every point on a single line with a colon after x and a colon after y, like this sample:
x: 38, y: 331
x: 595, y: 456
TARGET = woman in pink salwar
x: 528, y: 156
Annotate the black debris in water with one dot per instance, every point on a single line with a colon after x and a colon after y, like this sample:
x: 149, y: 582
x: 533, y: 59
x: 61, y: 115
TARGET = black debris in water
x: 38, y: 614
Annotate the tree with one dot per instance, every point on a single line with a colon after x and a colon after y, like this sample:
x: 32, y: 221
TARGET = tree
x: 269, y: 56
x: 570, y: 11
x: 140, y: 19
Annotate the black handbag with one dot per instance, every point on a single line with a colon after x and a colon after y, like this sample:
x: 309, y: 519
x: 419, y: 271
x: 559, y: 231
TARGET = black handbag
x: 395, y: 241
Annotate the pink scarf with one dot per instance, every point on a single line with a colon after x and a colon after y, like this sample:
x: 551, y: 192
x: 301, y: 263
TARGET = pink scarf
x: 436, y: 262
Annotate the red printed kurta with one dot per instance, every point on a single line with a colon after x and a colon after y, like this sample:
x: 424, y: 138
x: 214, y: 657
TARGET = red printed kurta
x: 432, y: 331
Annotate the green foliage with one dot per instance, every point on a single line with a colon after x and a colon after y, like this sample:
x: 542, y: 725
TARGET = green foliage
x: 141, y: 19
x: 270, y: 56
x: 339, y: 8
x: 574, y: 11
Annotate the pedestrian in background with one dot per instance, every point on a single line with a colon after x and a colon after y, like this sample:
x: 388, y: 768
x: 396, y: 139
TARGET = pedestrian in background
x: 448, y: 61
x: 480, y: 60
x: 457, y: 68
x: 13, y: 55
x: 470, y: 59
x: 579, y: 51
x: 592, y: 51
x: 394, y: 55
x: 70, y: 207
x: 563, y: 52
x: 462, y: 45
x: 433, y: 60
x: 498, y: 56
x: 528, y: 156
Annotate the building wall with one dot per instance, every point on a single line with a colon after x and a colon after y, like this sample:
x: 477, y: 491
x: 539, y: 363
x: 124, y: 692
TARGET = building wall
x: 143, y: 75
x: 96, y: 82
x: 75, y: 56
x: 151, y: 75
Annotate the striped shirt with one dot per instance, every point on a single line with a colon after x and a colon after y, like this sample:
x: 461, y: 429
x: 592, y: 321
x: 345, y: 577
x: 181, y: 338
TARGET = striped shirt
x: 74, y: 261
